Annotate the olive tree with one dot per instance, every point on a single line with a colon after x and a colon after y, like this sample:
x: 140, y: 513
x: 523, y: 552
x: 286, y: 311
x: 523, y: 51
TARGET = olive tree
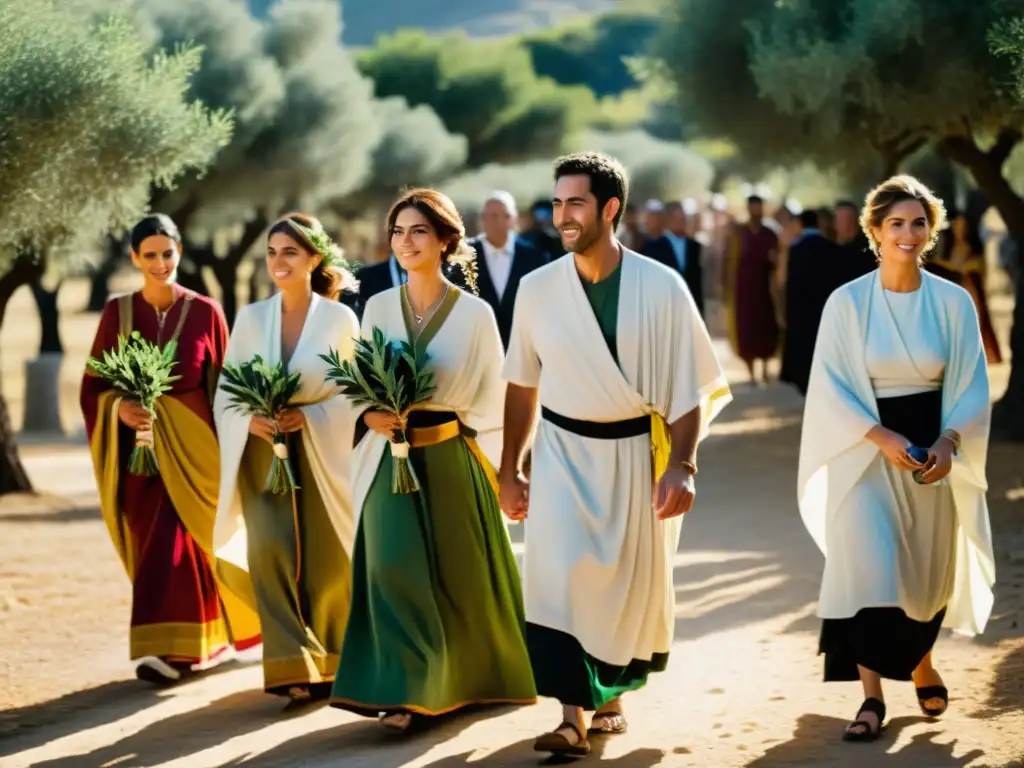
x: 89, y: 123
x: 305, y: 130
x: 851, y: 83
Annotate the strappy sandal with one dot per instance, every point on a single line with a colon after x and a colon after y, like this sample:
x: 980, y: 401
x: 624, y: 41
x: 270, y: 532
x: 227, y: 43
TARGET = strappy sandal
x: 557, y: 744
x: 875, y: 707
x: 933, y: 692
x: 608, y: 723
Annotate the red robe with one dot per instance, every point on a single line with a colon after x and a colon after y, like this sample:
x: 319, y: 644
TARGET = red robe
x: 176, y: 607
x: 756, y: 327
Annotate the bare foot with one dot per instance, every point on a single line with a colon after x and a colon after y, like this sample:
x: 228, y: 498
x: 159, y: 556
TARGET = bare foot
x: 299, y: 693
x: 396, y: 721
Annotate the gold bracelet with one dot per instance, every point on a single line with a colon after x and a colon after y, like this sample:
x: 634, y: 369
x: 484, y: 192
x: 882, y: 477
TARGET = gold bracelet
x: 689, y: 466
x: 954, y: 437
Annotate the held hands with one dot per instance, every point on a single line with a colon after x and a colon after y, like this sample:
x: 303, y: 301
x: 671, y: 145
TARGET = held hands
x: 514, y: 495
x: 132, y: 414
x: 674, y: 493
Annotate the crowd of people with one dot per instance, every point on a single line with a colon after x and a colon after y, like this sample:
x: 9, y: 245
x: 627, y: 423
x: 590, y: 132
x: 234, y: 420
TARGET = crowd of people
x: 574, y: 384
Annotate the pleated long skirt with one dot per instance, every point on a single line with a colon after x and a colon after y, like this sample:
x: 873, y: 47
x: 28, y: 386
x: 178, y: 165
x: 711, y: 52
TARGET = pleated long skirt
x: 437, y: 620
x: 300, y: 573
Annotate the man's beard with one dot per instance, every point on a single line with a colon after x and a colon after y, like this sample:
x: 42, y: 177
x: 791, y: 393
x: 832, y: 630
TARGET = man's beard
x: 588, y: 236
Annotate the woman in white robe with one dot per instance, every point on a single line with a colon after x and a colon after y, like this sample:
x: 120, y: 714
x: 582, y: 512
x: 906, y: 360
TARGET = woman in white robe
x: 437, y: 620
x: 898, y: 387
x: 297, y: 546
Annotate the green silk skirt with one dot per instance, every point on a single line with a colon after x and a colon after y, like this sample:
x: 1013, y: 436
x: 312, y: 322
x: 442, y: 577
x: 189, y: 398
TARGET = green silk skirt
x: 300, y: 572
x: 437, y: 620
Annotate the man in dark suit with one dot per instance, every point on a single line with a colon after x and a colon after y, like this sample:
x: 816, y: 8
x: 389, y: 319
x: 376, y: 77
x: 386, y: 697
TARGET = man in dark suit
x: 502, y: 260
x: 377, y: 278
x: 677, y: 250
x: 814, y: 269
x: 855, y: 257
x: 541, y: 233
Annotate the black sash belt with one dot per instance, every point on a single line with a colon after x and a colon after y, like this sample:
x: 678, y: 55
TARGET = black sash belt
x: 600, y: 430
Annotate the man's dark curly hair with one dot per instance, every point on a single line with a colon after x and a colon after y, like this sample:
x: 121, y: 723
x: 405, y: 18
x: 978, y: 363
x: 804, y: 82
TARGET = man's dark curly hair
x: 607, y: 178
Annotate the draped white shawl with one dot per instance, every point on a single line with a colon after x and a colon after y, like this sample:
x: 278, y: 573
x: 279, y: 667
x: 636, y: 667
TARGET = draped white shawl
x: 465, y: 355
x: 330, y: 420
x: 598, y: 563
x: 841, y: 408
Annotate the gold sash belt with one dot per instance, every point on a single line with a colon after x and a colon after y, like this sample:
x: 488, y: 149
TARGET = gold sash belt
x: 424, y: 437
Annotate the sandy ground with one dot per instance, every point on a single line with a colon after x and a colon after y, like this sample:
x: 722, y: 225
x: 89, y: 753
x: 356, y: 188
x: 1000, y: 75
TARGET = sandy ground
x: 742, y: 688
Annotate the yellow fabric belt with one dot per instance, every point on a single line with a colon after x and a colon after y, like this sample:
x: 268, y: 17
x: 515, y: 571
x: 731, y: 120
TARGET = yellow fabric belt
x: 424, y: 437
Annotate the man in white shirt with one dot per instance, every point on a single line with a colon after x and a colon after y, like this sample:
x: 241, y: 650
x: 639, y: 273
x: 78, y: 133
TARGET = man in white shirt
x: 502, y: 259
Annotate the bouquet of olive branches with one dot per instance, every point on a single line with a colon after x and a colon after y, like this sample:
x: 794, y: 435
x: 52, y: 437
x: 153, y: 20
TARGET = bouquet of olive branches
x: 386, y: 376
x: 139, y: 370
x: 260, y: 389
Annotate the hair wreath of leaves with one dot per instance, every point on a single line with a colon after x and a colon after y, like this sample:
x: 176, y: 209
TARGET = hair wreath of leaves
x: 321, y: 243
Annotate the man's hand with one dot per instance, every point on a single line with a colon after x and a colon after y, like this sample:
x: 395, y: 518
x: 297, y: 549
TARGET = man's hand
x: 674, y: 494
x: 514, y: 495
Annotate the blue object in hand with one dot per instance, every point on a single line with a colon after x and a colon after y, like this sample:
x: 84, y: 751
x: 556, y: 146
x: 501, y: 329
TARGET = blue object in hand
x: 920, y: 455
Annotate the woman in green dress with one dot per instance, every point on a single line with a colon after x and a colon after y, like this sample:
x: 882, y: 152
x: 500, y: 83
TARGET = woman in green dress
x: 296, y: 546
x: 437, y: 619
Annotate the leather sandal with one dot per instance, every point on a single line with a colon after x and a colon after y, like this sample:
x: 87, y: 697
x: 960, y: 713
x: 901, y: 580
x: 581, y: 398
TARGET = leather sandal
x: 608, y: 723
x: 557, y: 744
x: 875, y: 707
x: 933, y: 692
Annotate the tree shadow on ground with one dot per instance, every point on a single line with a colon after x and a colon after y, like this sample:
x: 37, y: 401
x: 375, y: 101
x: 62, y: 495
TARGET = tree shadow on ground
x: 817, y: 740
x: 187, y: 733
x: 68, y: 514
x: 365, y: 742
x: 1007, y: 687
x: 30, y: 727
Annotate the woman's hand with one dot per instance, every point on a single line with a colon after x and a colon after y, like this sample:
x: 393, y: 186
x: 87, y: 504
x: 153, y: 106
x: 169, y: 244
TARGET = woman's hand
x: 382, y: 422
x: 940, y: 461
x: 132, y: 414
x: 894, y: 447
x: 261, y: 426
x: 291, y: 420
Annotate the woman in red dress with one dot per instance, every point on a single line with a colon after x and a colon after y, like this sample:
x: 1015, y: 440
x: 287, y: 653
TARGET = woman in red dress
x: 188, y: 611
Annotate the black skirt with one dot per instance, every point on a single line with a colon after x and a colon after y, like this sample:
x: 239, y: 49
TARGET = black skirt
x: 886, y: 640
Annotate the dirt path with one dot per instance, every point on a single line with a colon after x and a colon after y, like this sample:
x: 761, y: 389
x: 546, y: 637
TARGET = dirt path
x: 742, y: 688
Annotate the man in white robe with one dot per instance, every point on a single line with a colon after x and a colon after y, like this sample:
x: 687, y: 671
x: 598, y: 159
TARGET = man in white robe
x: 612, y: 346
